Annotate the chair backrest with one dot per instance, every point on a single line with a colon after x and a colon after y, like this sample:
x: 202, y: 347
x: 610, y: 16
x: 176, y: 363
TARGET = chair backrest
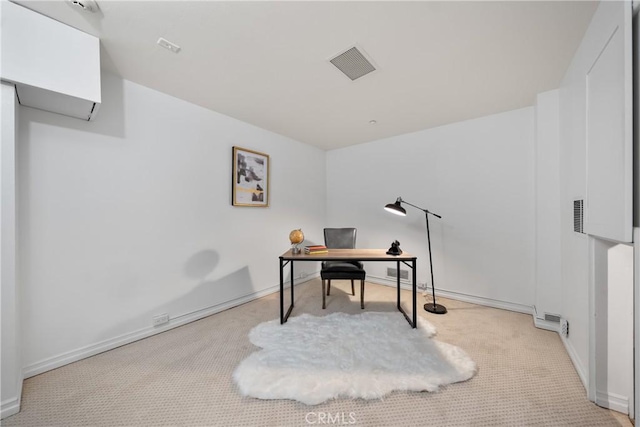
x: 340, y: 238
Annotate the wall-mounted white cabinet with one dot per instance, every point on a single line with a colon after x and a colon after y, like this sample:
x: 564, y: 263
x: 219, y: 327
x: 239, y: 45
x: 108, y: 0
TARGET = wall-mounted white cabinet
x: 55, y: 67
x: 609, y: 126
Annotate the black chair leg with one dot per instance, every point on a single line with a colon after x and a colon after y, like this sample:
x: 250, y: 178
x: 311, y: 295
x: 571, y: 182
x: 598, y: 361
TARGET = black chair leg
x: 353, y: 291
x: 362, y: 294
x: 324, y: 298
x: 329, y: 287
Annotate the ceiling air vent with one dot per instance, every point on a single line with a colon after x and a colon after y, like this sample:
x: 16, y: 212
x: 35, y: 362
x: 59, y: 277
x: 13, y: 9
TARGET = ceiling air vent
x: 353, y: 63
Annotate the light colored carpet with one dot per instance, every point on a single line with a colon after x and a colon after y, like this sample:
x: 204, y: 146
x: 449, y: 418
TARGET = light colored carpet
x: 183, y: 377
x: 312, y: 359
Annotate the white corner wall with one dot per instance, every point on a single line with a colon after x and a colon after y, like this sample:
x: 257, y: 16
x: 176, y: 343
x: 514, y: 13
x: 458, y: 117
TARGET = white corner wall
x: 613, y: 278
x: 548, y: 261
x: 478, y: 175
x: 129, y: 216
x: 10, y: 309
x: 587, y: 282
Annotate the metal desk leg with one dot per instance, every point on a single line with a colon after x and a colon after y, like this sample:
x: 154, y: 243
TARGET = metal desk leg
x: 281, y: 292
x: 414, y: 295
x: 398, y: 282
x: 291, y: 285
x: 284, y: 316
x: 413, y: 320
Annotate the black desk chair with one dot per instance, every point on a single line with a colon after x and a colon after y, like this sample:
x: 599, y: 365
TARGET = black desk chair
x: 341, y: 238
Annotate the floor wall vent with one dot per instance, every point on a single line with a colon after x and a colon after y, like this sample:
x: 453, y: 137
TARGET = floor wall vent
x: 552, y: 317
x: 392, y: 272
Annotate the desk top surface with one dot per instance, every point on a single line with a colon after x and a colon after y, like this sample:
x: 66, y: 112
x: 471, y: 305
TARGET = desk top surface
x: 348, y: 254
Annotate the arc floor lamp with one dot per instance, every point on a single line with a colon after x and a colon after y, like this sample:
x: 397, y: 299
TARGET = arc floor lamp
x: 396, y: 208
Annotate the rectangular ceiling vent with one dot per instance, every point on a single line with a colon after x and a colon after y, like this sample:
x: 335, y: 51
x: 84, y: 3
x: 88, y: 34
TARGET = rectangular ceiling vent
x: 353, y: 63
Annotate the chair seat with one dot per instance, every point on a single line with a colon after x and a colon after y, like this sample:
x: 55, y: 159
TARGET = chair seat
x: 342, y: 270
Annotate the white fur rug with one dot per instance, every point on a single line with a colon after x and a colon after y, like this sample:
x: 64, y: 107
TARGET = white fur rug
x: 313, y: 359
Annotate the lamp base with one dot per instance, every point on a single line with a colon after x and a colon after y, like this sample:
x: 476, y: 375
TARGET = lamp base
x: 435, y: 308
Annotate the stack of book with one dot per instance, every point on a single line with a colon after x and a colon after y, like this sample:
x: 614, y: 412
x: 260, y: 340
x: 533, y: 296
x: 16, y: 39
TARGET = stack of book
x: 316, y: 249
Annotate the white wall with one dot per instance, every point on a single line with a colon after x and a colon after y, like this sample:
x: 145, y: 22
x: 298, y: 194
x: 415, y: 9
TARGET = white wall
x: 613, y: 272
x: 130, y: 216
x: 574, y: 246
x: 548, y: 270
x: 636, y: 198
x: 11, y: 368
x: 478, y: 175
x: 580, y: 252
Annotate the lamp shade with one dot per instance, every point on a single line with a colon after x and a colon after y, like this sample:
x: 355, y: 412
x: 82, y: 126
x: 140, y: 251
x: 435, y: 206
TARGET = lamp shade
x: 396, y: 208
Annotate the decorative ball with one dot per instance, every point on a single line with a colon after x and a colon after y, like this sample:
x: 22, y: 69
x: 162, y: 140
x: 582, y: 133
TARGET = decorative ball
x: 296, y: 236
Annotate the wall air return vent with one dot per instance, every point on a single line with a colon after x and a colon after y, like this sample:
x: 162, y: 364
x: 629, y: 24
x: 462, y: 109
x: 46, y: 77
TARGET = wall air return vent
x: 578, y: 216
x: 392, y: 272
x: 353, y: 63
x: 552, y: 317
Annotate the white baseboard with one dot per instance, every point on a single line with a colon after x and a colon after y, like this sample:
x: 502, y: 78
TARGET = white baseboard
x: 612, y: 401
x: 9, y: 407
x: 540, y: 323
x: 545, y: 324
x: 389, y: 282
x: 102, y: 346
x: 573, y: 355
x: 488, y: 302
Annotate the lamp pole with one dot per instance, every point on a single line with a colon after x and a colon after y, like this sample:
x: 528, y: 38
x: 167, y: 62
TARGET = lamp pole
x: 432, y: 308
x: 397, y: 208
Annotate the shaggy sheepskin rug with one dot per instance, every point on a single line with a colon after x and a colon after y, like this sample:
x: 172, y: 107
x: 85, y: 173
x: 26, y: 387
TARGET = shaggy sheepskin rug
x: 313, y: 359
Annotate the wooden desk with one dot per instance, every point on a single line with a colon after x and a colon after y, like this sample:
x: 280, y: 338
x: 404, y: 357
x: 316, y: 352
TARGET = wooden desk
x: 349, y: 255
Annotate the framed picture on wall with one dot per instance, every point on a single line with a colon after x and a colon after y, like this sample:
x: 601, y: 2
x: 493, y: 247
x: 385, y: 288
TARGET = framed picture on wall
x: 250, y: 180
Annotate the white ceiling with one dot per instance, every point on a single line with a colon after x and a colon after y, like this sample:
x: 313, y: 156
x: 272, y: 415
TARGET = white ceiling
x: 266, y: 63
